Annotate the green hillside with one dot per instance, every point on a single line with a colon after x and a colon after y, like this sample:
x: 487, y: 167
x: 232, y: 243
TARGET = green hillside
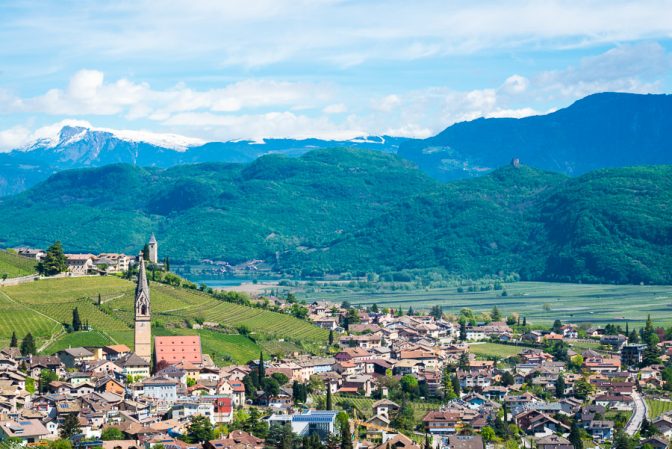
x: 15, y: 266
x: 43, y: 306
x: 356, y: 211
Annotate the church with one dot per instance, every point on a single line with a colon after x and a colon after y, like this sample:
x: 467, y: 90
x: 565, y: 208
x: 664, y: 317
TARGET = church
x: 170, y: 349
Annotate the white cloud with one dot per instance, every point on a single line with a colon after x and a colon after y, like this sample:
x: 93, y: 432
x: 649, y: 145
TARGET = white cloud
x: 88, y: 93
x: 515, y: 84
x: 336, y: 108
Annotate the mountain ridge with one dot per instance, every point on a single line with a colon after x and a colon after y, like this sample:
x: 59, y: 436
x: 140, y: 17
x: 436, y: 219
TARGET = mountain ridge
x: 601, y: 130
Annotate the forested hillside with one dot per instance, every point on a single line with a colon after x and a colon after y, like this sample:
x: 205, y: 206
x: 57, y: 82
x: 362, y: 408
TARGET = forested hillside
x: 353, y: 210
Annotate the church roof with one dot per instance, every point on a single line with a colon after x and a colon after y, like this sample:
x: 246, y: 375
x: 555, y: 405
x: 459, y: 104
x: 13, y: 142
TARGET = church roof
x: 152, y: 239
x: 143, y: 285
x: 176, y: 349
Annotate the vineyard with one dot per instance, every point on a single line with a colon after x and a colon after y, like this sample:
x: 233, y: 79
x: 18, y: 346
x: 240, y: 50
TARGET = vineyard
x: 15, y: 266
x: 44, y: 306
x: 657, y: 407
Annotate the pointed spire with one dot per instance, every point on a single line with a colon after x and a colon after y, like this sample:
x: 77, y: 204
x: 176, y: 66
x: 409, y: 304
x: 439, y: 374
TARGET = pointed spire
x: 142, y: 288
x: 152, y: 239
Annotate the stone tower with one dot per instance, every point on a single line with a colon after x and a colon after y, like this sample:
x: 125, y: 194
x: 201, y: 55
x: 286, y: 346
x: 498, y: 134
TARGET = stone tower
x: 143, y: 318
x: 153, y: 250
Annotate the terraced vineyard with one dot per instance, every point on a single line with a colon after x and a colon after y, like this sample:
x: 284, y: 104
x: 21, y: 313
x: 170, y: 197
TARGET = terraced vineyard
x: 42, y: 307
x: 363, y: 405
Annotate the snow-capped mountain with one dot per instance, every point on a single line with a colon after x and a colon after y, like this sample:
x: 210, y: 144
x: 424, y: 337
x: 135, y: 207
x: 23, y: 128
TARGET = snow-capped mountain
x: 80, y: 146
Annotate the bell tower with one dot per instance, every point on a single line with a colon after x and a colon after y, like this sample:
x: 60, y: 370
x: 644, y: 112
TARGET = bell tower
x: 153, y: 250
x: 143, y: 318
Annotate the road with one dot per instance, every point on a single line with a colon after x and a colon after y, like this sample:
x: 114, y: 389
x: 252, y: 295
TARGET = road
x: 638, y: 414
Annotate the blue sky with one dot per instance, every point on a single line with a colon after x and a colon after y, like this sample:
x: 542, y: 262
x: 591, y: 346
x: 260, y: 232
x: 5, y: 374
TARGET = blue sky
x: 219, y: 70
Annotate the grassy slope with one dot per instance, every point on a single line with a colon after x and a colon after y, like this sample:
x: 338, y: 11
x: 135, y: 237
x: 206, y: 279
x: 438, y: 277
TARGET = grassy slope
x: 15, y: 266
x: 656, y: 407
x: 41, y: 306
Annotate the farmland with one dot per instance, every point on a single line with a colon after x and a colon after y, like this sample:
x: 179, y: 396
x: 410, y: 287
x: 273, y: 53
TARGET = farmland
x: 15, y: 266
x: 540, y: 302
x: 42, y: 307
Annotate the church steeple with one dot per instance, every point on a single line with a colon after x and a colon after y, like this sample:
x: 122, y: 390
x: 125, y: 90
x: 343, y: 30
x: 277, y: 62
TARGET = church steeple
x: 143, y: 329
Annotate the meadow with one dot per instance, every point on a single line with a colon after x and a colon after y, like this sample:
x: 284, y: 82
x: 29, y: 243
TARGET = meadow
x: 363, y: 405
x: 44, y: 306
x: 540, y: 302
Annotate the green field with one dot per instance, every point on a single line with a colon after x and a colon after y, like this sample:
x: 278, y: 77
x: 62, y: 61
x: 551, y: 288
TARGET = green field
x: 656, y: 407
x: 495, y: 350
x: 15, y: 266
x: 42, y: 307
x: 592, y: 303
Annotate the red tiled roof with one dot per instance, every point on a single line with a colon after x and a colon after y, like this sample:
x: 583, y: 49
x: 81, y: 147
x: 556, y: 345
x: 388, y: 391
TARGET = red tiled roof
x: 174, y: 349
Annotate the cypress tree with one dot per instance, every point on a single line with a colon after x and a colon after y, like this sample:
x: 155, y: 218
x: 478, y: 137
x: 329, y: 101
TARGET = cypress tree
x: 28, y: 345
x: 329, y: 404
x: 262, y: 368
x: 331, y: 337
x: 76, y: 322
x: 145, y: 252
x: 346, y: 437
x: 13, y: 342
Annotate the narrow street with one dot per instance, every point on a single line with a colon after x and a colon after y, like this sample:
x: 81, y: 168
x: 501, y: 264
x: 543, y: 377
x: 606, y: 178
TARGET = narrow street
x: 638, y: 414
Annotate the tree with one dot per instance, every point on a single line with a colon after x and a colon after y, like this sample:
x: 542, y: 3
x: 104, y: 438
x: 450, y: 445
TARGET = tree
x: 582, y: 389
x: 463, y: 329
x: 329, y: 405
x: 623, y: 441
x: 346, y: 437
x: 428, y: 442
x: 70, y: 426
x: 524, y: 321
x: 575, y: 436
x: 145, y: 252
x: 448, y: 389
x: 405, y: 418
x: 199, y: 430
x: 13, y: 343
x: 560, y: 386
x: 436, y: 312
x: 28, y: 345
x: 54, y: 261
x: 76, y: 322
x: 456, y: 385
x: 557, y: 324
x: 112, y: 433
x: 331, y: 337
x: 374, y: 308
x: 488, y: 434
x: 166, y: 264
x: 46, y: 377
x: 507, y: 379
x: 495, y: 315
x: 262, y: 369
x: 410, y: 385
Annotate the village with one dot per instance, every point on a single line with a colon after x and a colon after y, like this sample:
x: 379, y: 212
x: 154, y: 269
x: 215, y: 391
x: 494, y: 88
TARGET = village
x: 388, y: 379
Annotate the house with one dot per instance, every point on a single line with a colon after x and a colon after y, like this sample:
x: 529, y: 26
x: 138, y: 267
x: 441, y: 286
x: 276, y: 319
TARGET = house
x: 115, y: 352
x: 553, y: 442
x: 465, y: 442
x: 663, y: 425
x: 312, y: 422
x: 398, y: 441
x: 632, y: 354
x: 600, y: 429
x: 74, y: 357
x: 385, y: 408
x: 133, y: 366
x: 80, y: 264
x: 657, y: 442
x: 161, y: 388
x: 27, y: 431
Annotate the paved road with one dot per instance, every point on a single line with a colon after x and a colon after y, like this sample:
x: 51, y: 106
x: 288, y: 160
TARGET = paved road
x: 638, y: 414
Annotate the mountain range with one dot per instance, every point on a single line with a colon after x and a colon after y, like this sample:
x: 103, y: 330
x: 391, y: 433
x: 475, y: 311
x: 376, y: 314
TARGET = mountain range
x: 79, y: 147
x: 601, y: 130
x: 598, y: 131
x: 345, y: 210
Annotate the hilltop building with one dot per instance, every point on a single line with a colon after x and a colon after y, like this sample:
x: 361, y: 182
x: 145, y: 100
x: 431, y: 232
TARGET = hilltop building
x: 153, y: 250
x: 143, y: 324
